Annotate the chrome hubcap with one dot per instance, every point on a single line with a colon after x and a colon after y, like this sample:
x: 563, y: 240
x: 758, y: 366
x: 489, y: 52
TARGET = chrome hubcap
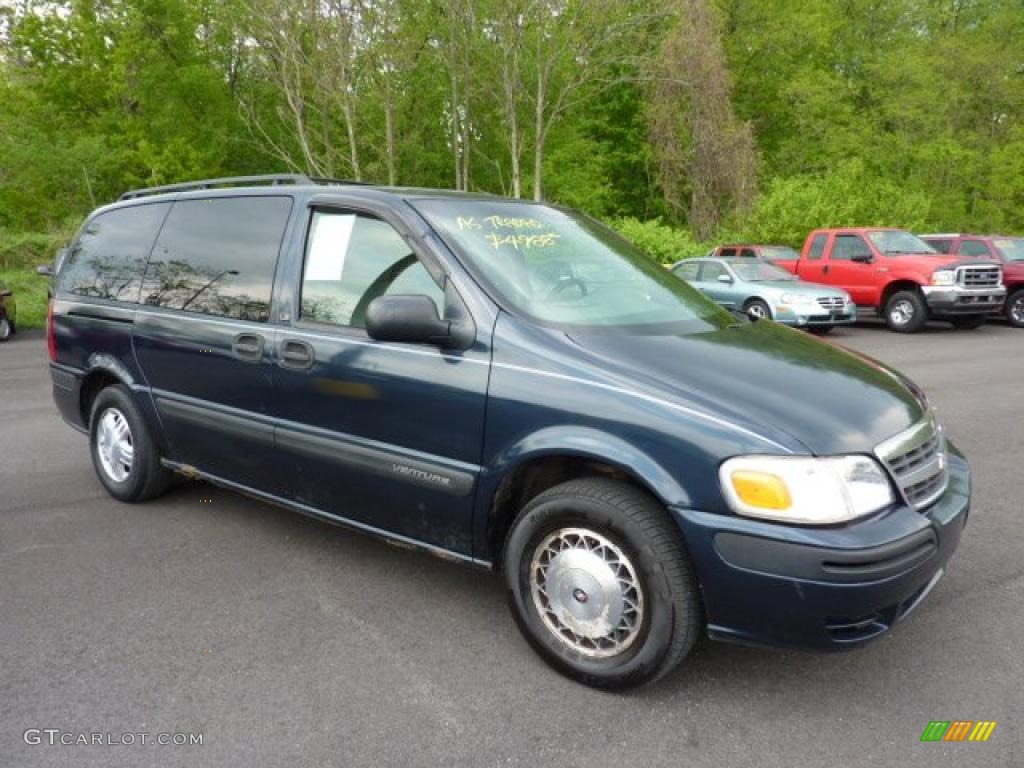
x: 901, y: 312
x: 1017, y: 311
x: 587, y: 592
x: 757, y: 311
x: 114, y: 445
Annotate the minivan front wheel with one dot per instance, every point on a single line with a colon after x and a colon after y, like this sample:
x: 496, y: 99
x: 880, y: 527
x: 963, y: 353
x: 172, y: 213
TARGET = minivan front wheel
x: 124, y: 455
x: 600, y: 584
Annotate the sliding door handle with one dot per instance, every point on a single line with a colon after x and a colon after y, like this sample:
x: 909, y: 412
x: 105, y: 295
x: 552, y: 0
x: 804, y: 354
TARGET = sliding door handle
x: 248, y: 346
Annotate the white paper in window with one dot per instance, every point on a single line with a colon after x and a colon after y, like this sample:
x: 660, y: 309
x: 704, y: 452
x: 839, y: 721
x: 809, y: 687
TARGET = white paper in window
x: 328, y: 246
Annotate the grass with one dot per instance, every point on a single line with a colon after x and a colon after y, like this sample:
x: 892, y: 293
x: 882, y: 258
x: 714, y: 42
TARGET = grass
x: 29, y: 293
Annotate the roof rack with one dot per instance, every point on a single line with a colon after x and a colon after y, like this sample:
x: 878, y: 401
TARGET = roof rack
x: 235, y: 181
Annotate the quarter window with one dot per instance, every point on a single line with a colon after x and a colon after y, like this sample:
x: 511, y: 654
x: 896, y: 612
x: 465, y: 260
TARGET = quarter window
x: 109, y: 257
x: 351, y: 259
x: 217, y: 256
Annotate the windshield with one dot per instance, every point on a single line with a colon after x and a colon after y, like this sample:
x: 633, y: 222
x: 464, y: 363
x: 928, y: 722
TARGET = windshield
x: 897, y: 241
x: 779, y: 252
x: 760, y: 272
x: 562, y: 268
x: 1012, y: 248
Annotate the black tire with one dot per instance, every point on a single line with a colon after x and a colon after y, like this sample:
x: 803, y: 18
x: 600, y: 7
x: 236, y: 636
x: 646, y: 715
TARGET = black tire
x: 968, y: 322
x: 758, y: 309
x: 1014, y: 308
x: 6, y: 329
x: 651, y: 555
x: 144, y: 478
x: 905, y: 312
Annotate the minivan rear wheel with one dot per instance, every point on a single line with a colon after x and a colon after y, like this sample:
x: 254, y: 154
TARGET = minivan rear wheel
x: 124, y: 454
x: 600, y: 583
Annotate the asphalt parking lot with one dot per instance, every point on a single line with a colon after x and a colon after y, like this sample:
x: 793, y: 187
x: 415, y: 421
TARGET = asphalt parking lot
x: 286, y: 641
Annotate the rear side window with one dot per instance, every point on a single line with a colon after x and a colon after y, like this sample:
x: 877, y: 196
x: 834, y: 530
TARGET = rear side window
x: 217, y: 256
x: 727, y: 252
x: 109, y: 257
x: 747, y: 253
x: 940, y: 245
x: 352, y: 259
x: 974, y: 248
x: 687, y: 270
x: 817, y: 246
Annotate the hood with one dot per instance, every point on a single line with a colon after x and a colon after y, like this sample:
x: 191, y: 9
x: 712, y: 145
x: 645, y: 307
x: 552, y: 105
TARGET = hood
x: 779, y: 287
x: 829, y: 400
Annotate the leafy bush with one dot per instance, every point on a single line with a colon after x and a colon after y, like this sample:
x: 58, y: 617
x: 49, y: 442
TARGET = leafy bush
x: 30, y: 294
x: 658, y: 240
x: 28, y: 249
x: 847, y: 196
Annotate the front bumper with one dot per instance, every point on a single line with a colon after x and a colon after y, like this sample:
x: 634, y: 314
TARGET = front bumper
x: 823, y: 588
x: 955, y: 300
x: 808, y: 316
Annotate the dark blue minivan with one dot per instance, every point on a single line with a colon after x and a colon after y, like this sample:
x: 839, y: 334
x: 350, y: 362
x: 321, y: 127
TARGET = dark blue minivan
x: 512, y: 385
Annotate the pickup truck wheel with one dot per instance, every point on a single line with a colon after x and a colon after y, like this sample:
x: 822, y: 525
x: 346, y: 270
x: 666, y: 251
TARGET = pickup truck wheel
x: 757, y: 309
x: 600, y: 584
x: 905, y: 312
x: 968, y: 322
x: 123, y: 452
x: 1015, y: 308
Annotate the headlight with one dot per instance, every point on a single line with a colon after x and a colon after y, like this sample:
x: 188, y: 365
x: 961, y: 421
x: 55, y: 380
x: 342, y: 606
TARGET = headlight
x: 795, y: 298
x: 801, y: 489
x: 943, y: 277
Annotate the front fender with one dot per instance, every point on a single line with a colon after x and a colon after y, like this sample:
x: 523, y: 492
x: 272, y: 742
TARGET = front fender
x: 587, y: 443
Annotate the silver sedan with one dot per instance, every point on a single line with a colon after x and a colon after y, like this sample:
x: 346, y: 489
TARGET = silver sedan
x: 763, y: 290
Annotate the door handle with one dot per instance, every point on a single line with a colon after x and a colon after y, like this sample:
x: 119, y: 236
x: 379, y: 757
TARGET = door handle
x: 824, y: 270
x: 248, y: 346
x: 296, y: 354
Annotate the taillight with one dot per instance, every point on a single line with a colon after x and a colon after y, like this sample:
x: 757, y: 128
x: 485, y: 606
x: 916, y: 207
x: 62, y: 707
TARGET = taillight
x: 51, y: 337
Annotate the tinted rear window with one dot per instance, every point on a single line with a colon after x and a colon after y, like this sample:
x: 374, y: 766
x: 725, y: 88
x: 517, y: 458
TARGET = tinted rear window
x: 109, y: 257
x: 217, y: 256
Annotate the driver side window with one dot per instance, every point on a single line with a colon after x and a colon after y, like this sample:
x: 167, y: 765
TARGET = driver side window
x: 351, y: 259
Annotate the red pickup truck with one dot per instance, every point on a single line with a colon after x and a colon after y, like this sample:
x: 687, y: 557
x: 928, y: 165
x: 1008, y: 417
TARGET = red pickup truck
x: 1008, y: 251
x: 901, y: 277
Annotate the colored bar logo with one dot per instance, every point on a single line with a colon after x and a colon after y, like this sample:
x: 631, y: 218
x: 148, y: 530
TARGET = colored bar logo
x: 958, y: 730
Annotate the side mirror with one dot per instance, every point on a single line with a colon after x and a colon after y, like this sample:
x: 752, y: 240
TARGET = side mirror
x: 724, y: 279
x: 409, y: 318
x: 862, y: 258
x: 45, y: 270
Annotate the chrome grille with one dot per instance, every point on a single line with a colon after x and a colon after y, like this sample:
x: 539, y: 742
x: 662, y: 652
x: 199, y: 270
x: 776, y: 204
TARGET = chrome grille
x: 918, y: 462
x: 831, y: 302
x: 979, y: 277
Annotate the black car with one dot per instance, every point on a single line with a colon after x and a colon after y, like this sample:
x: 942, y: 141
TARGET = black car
x: 510, y: 385
x: 8, y: 313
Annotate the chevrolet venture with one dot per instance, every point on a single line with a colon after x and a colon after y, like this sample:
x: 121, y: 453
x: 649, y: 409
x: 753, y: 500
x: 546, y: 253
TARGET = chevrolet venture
x: 512, y: 385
